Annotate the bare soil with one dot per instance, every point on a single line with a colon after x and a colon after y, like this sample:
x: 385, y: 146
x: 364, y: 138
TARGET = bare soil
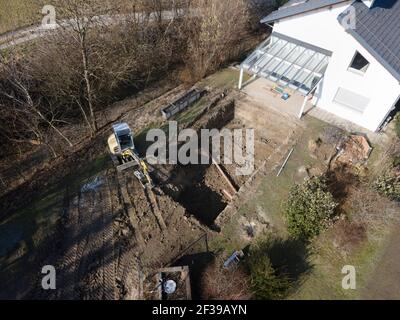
x: 110, y: 231
x: 201, y: 193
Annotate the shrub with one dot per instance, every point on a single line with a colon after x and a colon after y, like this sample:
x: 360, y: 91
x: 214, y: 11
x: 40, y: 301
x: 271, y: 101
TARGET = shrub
x: 388, y: 185
x: 310, y: 208
x: 218, y: 283
x: 266, y: 282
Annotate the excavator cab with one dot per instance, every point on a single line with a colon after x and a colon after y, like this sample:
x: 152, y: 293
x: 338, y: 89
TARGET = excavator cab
x: 122, y: 147
x: 124, y: 156
x: 124, y: 137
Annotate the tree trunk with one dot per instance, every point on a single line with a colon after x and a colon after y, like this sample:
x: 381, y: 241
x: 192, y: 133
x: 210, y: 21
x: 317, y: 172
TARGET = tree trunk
x: 87, y: 82
x: 54, y: 128
x: 85, y: 117
x: 61, y: 134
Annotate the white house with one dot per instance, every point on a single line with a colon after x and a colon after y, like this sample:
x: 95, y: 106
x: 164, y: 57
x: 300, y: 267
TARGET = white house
x: 343, y: 54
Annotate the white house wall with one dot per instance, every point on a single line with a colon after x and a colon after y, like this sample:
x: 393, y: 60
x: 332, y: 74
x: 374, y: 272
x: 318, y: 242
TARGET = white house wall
x: 321, y: 28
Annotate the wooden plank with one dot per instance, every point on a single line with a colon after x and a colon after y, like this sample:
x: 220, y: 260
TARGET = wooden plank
x: 227, y: 179
x: 227, y: 194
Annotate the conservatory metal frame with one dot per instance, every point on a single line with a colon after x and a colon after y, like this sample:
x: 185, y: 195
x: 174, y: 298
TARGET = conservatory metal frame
x: 289, y: 63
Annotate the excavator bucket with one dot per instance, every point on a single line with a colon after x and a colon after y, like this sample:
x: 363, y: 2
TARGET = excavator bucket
x: 126, y: 166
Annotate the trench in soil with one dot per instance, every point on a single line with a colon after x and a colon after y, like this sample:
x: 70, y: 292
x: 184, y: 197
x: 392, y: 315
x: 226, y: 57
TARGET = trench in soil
x: 196, y: 194
x: 199, y: 188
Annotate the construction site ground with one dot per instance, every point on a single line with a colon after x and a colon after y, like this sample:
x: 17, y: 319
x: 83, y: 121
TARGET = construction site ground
x: 105, y: 234
x: 99, y: 228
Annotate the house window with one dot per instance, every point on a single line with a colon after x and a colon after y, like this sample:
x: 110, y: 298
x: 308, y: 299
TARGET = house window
x: 351, y: 100
x: 359, y: 63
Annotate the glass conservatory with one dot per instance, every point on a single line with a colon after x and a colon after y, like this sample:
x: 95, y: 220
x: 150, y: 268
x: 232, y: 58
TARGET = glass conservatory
x: 288, y: 62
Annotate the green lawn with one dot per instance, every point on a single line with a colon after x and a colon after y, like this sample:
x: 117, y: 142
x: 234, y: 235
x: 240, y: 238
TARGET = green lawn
x: 19, y: 13
x: 225, y: 79
x: 324, y: 278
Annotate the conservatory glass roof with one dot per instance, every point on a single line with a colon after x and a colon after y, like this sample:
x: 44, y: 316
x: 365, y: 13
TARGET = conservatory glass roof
x: 289, y: 62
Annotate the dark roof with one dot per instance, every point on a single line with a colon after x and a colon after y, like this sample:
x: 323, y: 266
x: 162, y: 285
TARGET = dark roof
x: 295, y: 7
x: 378, y: 31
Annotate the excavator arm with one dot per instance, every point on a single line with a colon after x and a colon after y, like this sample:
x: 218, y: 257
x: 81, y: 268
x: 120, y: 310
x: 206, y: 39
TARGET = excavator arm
x: 142, y: 170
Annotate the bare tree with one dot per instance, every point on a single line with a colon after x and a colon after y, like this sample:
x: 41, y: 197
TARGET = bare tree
x: 82, y: 17
x: 101, y: 48
x: 28, y: 117
x: 213, y: 30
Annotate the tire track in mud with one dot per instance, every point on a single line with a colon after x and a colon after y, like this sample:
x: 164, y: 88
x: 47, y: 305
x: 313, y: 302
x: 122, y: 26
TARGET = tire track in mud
x: 109, y: 259
x: 49, y: 255
x: 131, y: 243
x: 130, y: 208
x: 67, y: 262
x: 155, y: 208
x: 143, y: 208
x: 87, y: 263
x: 97, y: 270
x: 85, y: 217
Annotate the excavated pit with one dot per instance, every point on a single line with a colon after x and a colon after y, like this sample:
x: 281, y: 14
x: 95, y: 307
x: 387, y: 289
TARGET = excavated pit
x: 199, y: 190
x: 203, y: 190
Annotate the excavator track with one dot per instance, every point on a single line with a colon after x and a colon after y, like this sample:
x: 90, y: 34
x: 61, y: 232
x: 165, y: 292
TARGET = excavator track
x: 155, y: 208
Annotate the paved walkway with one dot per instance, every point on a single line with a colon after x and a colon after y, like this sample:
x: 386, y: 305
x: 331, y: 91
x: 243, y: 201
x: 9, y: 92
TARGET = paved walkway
x: 374, y: 137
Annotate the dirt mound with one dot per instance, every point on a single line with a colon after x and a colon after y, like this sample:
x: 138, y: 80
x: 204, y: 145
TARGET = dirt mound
x: 354, y: 150
x: 325, y: 147
x: 322, y: 151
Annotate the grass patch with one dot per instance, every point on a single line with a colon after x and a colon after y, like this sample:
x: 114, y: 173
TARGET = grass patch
x: 190, y: 114
x: 229, y: 241
x: 269, y: 200
x: 19, y: 13
x: 325, y: 278
x: 225, y: 79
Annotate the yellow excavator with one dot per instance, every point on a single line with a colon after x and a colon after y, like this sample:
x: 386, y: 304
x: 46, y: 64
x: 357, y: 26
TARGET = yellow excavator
x: 124, y: 155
